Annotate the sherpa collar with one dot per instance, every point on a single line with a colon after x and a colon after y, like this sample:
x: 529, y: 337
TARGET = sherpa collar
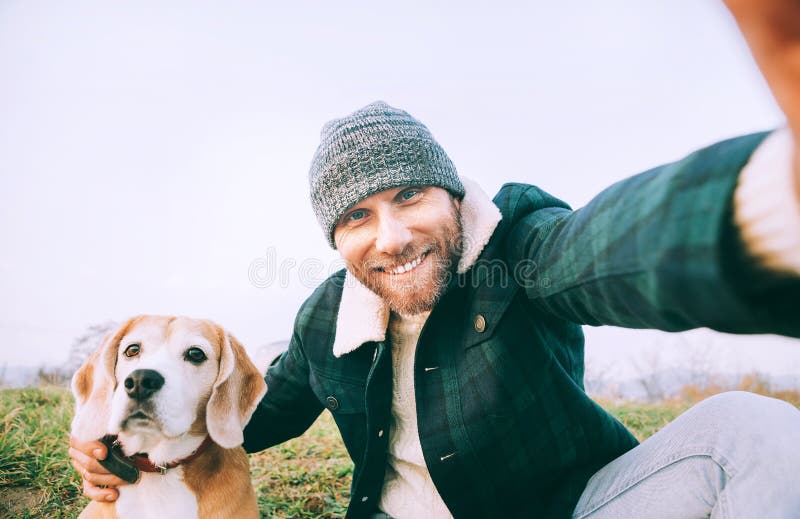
x: 364, y: 316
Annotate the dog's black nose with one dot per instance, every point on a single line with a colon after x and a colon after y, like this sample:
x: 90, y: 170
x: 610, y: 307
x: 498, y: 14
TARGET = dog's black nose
x: 142, y: 383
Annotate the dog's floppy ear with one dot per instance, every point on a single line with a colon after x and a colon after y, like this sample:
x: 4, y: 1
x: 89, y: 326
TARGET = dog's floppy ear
x: 93, y: 386
x: 237, y: 391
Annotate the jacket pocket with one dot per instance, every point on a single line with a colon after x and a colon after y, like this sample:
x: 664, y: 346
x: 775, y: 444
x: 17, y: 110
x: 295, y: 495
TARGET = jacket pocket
x: 339, y: 396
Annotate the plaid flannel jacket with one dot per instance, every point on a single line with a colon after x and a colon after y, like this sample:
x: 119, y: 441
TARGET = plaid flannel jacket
x: 505, y: 426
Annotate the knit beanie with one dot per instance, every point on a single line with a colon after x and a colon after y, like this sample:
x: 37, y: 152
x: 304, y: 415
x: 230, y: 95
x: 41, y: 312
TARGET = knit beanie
x: 375, y: 148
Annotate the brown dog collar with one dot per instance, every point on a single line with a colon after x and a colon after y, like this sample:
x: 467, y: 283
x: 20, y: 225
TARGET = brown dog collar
x: 128, y: 468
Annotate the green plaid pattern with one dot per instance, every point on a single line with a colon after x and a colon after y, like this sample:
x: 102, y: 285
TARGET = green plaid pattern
x: 505, y: 426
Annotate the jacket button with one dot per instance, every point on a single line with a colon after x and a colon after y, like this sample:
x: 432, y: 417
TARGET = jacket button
x: 332, y: 403
x: 480, y: 323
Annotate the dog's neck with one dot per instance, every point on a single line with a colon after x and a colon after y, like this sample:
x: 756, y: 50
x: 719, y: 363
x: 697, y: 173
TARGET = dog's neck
x: 159, y: 449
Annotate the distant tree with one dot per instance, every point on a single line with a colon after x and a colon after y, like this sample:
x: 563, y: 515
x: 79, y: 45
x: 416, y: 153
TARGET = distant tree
x: 649, y: 366
x: 84, y: 345
x: 599, y: 382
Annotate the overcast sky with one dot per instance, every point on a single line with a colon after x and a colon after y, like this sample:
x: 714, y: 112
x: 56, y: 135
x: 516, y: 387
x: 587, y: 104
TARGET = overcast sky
x: 153, y: 155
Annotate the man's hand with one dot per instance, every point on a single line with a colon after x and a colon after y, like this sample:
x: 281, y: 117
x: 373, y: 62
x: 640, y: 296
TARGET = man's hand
x: 772, y: 30
x: 98, y: 483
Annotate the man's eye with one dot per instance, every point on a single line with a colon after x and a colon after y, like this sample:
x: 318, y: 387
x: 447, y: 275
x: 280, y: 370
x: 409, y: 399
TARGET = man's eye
x: 132, y: 350
x: 356, y: 215
x: 195, y: 355
x: 409, y: 194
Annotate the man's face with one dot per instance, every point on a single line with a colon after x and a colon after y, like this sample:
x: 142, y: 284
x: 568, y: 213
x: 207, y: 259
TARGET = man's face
x: 402, y: 243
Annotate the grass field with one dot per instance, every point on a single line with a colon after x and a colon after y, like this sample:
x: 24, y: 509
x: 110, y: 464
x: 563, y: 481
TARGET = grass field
x: 306, y: 477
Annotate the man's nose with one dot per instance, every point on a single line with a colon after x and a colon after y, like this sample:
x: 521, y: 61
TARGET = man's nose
x: 393, y: 236
x: 142, y: 383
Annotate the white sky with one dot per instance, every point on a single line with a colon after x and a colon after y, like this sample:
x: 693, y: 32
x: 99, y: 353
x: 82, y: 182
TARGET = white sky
x: 150, y: 152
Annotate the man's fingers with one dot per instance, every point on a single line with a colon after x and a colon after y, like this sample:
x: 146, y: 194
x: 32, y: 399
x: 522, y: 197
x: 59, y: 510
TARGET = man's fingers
x: 777, y: 21
x: 772, y: 30
x: 84, y: 463
x: 96, y: 493
x: 95, y: 449
x: 107, y: 480
x: 91, y: 471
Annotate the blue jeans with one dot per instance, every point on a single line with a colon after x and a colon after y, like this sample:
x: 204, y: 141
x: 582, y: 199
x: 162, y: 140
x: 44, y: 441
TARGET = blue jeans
x: 734, y: 455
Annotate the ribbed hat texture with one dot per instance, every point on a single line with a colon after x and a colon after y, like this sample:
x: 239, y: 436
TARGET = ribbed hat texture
x: 375, y: 148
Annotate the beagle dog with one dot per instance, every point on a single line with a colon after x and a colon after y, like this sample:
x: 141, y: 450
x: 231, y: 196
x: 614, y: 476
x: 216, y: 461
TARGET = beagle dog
x: 173, y: 394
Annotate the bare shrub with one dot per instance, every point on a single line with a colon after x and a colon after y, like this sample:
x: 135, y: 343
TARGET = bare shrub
x: 753, y: 382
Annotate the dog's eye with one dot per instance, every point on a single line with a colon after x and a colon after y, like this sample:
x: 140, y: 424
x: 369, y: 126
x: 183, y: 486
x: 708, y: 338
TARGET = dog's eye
x: 132, y: 350
x: 194, y: 355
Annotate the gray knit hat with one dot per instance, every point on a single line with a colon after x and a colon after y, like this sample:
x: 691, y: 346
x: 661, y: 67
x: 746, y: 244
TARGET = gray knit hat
x: 375, y: 148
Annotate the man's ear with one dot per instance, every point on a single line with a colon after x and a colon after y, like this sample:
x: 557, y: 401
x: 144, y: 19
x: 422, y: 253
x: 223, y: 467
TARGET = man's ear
x: 237, y: 391
x: 93, y: 387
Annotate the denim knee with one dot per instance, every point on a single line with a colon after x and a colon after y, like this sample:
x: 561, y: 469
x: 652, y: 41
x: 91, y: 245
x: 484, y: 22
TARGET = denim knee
x: 770, y: 428
x: 745, y: 409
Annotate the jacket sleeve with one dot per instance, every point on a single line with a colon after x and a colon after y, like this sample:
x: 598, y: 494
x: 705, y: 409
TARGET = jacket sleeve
x: 658, y: 250
x: 289, y: 407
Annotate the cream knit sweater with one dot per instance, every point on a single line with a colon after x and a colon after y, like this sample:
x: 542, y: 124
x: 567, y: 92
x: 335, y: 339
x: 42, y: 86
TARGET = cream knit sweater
x: 408, y: 489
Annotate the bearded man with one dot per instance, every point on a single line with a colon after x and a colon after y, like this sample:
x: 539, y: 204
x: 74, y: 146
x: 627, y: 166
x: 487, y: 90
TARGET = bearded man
x: 455, y: 377
x: 450, y: 350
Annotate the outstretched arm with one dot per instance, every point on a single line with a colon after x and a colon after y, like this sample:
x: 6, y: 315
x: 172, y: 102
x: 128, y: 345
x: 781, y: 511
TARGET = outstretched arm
x: 712, y: 240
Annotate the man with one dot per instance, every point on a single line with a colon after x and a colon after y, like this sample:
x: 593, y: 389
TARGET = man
x: 450, y: 352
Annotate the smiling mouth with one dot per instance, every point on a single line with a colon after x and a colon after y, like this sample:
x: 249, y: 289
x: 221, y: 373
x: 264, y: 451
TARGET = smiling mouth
x: 404, y: 269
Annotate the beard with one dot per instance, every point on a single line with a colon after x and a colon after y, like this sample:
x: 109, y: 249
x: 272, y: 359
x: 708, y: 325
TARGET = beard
x: 420, y: 289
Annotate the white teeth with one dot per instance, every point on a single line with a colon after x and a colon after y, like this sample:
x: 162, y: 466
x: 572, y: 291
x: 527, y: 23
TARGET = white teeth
x: 407, y: 267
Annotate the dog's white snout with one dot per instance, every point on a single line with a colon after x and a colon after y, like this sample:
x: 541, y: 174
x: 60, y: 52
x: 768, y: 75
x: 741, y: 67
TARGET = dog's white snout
x: 141, y: 384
